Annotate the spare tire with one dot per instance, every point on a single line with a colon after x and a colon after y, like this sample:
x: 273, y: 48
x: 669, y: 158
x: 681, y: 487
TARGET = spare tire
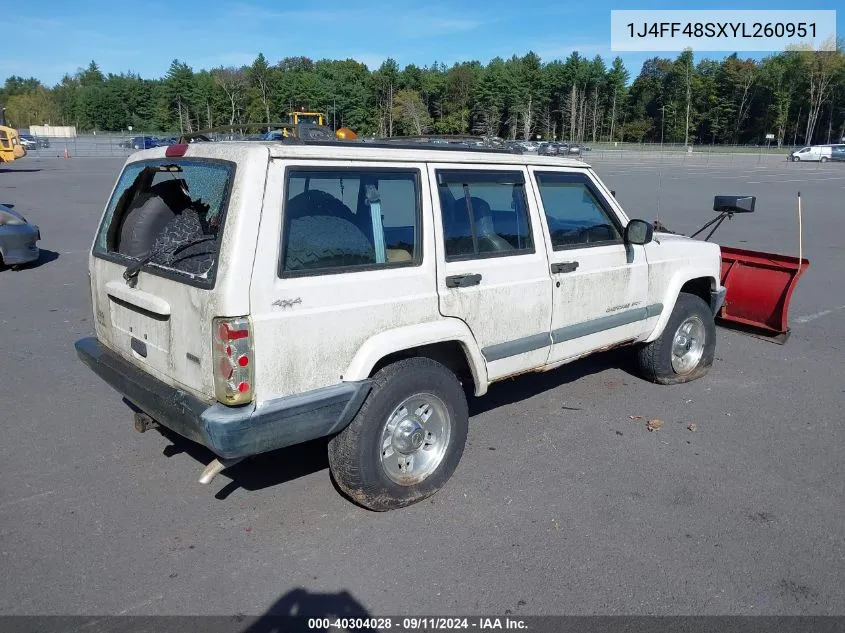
x: 141, y: 226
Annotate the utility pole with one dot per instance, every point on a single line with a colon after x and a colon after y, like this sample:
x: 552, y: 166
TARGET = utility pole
x: 662, y: 124
x: 830, y: 120
x: 689, y: 95
x: 613, y: 114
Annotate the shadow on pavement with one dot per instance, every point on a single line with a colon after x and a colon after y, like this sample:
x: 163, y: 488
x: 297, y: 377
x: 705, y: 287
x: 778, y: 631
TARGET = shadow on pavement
x: 287, y: 464
x: 534, y: 383
x: 292, y: 612
x: 257, y: 472
x: 44, y: 257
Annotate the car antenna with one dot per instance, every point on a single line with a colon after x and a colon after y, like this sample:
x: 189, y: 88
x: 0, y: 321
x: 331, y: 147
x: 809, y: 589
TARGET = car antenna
x: 659, y: 187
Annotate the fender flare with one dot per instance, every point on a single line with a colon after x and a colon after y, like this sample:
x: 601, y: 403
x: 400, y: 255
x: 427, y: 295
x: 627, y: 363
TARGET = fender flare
x: 399, y: 339
x: 670, y: 297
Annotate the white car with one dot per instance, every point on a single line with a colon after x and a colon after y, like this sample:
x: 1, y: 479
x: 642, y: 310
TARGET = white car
x: 28, y: 141
x: 253, y: 296
x: 819, y: 153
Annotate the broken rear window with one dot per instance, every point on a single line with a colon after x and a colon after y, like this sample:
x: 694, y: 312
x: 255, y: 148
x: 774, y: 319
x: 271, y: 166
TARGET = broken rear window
x: 168, y: 215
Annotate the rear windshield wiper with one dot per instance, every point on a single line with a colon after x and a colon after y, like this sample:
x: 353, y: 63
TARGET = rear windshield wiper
x: 131, y: 272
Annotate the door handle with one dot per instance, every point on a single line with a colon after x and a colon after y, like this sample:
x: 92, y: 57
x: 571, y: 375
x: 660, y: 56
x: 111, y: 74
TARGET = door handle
x: 564, y: 267
x: 462, y: 281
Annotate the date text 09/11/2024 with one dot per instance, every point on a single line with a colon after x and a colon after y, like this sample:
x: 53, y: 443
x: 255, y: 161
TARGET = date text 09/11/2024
x: 723, y: 29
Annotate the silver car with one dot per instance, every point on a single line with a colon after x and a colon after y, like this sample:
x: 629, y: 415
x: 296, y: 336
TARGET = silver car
x: 17, y: 238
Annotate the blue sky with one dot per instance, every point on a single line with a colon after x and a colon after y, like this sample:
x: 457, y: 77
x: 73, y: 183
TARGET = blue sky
x: 58, y: 36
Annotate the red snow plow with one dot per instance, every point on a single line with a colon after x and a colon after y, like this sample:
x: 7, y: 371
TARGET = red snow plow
x: 759, y: 285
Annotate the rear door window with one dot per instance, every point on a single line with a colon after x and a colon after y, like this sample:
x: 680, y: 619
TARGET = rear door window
x: 484, y: 214
x: 347, y: 219
x: 168, y: 216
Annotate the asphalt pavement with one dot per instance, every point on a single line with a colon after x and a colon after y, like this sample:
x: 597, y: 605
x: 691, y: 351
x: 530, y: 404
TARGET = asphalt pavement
x: 564, y: 503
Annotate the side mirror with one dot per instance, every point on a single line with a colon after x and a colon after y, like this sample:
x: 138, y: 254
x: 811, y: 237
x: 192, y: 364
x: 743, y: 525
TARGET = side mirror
x: 638, y: 232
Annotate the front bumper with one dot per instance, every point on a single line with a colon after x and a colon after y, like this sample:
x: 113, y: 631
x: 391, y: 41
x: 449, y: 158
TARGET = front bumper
x: 18, y: 243
x: 717, y: 299
x: 229, y: 432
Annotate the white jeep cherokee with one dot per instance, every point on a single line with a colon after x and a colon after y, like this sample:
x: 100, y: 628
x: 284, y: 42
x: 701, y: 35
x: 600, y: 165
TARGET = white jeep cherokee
x: 253, y: 296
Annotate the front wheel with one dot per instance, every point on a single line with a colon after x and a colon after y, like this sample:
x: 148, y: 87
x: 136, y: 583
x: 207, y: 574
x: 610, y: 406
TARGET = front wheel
x: 685, y: 349
x: 406, y: 440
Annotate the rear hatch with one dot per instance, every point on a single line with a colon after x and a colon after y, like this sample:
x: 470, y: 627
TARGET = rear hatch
x: 157, y: 280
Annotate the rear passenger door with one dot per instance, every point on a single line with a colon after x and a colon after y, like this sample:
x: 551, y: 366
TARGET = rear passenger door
x: 342, y: 256
x: 492, y: 270
x: 600, y: 283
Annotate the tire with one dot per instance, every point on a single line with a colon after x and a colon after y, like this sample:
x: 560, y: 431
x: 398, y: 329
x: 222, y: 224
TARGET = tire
x: 796, y: 159
x: 323, y: 241
x: 359, y: 462
x: 186, y: 227
x: 141, y: 226
x: 657, y: 361
x: 823, y: 159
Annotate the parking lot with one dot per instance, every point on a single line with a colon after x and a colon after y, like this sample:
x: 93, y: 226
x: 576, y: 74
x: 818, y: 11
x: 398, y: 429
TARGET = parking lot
x: 563, y: 503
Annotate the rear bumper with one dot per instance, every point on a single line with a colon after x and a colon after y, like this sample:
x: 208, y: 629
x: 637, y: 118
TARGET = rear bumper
x: 228, y: 431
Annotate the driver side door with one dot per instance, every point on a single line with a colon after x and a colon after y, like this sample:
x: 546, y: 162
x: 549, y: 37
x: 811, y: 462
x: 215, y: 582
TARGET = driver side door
x: 599, y: 283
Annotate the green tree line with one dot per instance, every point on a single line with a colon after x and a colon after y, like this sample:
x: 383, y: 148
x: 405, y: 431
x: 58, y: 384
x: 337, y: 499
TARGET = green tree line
x: 797, y: 95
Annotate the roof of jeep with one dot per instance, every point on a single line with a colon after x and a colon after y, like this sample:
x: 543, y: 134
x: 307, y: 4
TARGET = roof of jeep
x: 384, y: 151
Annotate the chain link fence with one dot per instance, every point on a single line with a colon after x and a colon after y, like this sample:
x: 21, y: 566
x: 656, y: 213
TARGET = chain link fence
x: 102, y: 144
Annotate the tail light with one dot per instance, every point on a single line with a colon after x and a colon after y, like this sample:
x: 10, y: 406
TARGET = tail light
x: 233, y: 360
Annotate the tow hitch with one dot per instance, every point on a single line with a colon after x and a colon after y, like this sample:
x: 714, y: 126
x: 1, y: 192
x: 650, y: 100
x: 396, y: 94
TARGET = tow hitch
x: 144, y: 423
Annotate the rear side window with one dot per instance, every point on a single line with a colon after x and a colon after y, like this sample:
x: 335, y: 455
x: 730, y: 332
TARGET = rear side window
x: 168, y: 216
x: 347, y: 219
x: 484, y: 214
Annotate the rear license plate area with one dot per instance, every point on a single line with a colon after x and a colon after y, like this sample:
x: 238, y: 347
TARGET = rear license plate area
x: 147, y: 328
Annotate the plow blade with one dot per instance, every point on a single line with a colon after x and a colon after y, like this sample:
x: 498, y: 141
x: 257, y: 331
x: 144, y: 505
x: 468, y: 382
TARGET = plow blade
x: 759, y: 288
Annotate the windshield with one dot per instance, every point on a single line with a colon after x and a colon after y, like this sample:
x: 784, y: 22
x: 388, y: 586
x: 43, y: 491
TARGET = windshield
x: 169, y: 215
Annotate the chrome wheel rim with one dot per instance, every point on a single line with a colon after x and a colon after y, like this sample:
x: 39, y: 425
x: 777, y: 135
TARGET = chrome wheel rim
x: 414, y: 439
x: 688, y: 345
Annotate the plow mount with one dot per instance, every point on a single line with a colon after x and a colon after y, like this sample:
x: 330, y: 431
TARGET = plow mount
x: 759, y: 284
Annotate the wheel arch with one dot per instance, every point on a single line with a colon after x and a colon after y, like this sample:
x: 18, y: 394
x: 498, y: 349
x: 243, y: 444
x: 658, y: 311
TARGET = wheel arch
x: 448, y: 341
x: 698, y: 282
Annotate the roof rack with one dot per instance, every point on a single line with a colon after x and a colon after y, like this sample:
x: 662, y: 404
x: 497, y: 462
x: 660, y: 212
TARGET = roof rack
x: 444, y: 142
x: 415, y: 143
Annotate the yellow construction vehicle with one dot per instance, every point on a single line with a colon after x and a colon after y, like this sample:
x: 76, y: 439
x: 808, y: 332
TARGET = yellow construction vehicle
x: 312, y: 125
x: 10, y: 145
x: 311, y: 118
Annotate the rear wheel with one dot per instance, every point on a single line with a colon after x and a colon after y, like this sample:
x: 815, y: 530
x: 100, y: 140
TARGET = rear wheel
x: 407, y: 439
x: 823, y: 159
x: 685, y: 349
